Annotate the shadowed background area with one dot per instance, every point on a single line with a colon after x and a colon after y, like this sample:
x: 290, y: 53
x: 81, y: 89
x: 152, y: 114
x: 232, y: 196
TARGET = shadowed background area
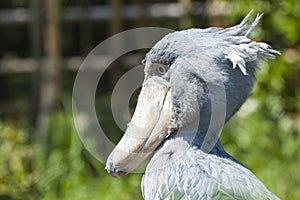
x: 42, y: 46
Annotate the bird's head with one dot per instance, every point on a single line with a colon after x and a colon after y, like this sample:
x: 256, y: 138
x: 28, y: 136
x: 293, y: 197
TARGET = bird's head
x: 195, y: 80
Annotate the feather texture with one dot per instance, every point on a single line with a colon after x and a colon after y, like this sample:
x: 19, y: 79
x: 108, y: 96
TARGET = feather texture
x: 179, y: 168
x: 194, y: 175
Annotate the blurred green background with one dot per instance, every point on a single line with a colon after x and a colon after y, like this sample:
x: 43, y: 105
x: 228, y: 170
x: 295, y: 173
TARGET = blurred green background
x: 42, y: 46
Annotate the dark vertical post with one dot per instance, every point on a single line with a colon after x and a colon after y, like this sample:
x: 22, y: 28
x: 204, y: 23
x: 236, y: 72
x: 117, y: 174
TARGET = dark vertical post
x: 36, y: 49
x: 50, y: 71
x: 116, y: 17
x: 141, y: 17
x: 185, y: 21
x: 85, y: 28
x: 212, y: 17
x: 116, y: 26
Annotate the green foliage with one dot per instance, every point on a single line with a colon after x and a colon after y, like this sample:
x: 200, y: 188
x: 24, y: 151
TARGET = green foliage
x: 17, y: 176
x: 67, y: 171
x: 264, y: 135
x: 59, y: 168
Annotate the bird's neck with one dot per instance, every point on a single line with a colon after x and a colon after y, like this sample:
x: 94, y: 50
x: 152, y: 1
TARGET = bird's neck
x: 198, y: 138
x: 203, y: 135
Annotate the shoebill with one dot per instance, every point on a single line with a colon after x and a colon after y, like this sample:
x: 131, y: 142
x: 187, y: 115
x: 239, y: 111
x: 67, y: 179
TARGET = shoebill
x: 195, y: 81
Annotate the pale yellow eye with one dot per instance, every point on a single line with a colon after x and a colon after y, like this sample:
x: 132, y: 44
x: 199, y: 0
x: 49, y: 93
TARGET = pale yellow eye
x: 161, y: 69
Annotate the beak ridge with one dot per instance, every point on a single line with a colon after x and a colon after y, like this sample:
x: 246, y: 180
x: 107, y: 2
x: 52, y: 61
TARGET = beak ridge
x: 148, y: 128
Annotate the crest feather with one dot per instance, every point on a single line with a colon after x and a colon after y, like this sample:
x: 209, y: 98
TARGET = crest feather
x: 246, y: 50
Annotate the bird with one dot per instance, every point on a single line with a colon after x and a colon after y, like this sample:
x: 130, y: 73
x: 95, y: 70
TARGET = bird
x: 195, y: 81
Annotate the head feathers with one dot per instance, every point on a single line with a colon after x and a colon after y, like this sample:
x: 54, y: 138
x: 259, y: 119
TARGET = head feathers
x: 246, y: 50
x: 219, y: 44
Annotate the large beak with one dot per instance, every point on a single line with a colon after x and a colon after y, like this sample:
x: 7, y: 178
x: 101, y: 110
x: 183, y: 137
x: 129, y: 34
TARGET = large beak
x: 148, y: 128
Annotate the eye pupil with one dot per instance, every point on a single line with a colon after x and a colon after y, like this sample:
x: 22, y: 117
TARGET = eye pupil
x: 161, y: 69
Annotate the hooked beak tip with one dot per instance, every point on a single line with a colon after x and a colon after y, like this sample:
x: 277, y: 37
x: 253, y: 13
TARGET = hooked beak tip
x: 113, y: 171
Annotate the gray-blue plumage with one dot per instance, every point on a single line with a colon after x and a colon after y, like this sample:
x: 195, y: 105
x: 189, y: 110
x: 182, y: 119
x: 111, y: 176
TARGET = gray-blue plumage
x: 208, y: 72
x: 195, y: 174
